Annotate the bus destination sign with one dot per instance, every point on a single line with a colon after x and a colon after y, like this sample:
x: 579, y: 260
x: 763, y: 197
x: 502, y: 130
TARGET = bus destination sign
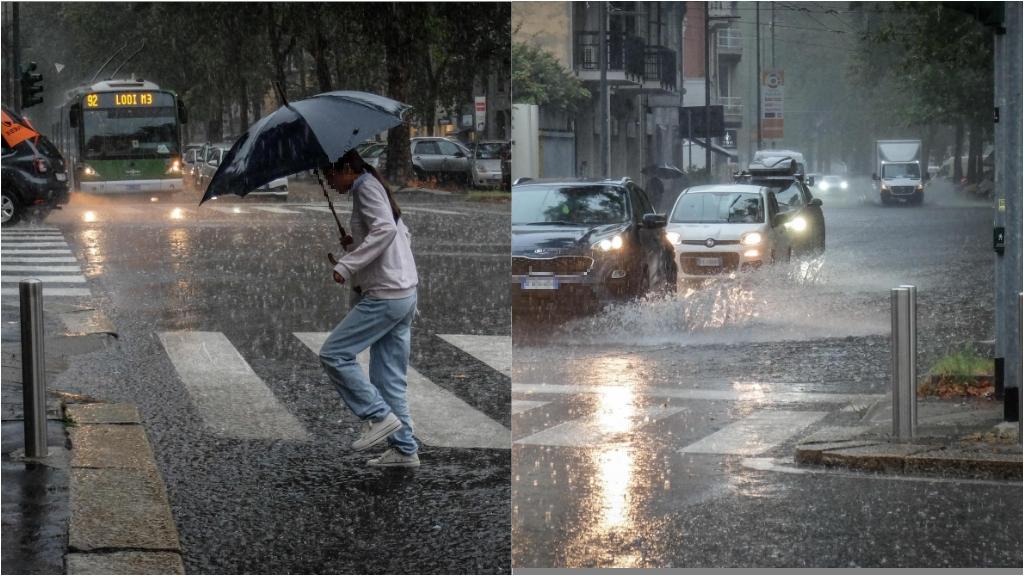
x: 126, y: 99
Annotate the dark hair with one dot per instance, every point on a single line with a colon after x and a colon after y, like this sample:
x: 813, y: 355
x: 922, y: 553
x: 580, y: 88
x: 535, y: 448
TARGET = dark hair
x: 353, y: 160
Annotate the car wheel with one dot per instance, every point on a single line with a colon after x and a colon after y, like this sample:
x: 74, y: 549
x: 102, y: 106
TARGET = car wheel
x: 10, y: 211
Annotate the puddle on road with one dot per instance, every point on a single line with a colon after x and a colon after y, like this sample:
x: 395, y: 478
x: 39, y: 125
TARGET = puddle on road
x: 810, y: 299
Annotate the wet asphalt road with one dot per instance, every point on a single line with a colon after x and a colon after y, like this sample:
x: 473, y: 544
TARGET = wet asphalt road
x: 258, y: 277
x: 660, y: 433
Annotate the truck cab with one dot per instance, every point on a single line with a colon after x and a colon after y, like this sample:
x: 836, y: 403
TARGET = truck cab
x: 899, y: 176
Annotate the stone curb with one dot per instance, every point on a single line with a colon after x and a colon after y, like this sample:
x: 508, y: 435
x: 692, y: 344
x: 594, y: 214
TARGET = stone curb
x: 121, y: 521
x: 982, y: 462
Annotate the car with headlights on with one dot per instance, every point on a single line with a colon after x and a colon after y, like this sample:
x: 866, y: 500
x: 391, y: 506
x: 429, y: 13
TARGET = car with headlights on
x: 720, y: 229
x: 806, y: 224
x: 579, y: 244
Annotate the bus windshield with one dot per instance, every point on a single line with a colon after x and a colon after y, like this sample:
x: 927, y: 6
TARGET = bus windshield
x: 121, y: 133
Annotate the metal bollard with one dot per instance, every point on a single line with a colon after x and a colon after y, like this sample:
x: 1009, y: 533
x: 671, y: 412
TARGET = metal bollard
x: 904, y: 361
x: 33, y: 367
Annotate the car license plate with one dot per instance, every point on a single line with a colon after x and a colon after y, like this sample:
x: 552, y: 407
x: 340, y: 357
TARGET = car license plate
x: 709, y: 262
x: 61, y: 177
x: 540, y: 283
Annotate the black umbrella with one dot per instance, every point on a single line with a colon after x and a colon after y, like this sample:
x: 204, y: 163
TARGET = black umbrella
x: 663, y: 171
x: 301, y: 136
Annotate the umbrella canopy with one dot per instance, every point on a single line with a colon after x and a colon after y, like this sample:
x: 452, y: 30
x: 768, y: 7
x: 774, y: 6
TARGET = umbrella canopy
x: 14, y: 131
x: 663, y: 171
x: 303, y: 135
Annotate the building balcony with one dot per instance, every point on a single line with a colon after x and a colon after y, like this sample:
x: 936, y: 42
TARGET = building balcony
x: 721, y: 10
x: 732, y: 109
x: 730, y: 43
x: 632, y: 65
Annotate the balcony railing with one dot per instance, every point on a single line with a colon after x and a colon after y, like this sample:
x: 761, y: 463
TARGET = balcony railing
x: 721, y: 9
x: 630, y: 55
x: 660, y: 66
x: 730, y: 41
x: 625, y: 53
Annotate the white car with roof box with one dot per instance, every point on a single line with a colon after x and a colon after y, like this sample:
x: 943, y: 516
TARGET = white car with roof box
x: 725, y: 228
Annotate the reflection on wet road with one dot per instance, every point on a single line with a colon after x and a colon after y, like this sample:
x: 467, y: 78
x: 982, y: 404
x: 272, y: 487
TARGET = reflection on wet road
x: 656, y: 433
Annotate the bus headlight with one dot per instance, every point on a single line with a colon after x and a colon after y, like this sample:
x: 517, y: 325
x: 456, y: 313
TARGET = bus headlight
x: 175, y: 167
x: 751, y: 239
x: 88, y: 170
x: 797, y: 224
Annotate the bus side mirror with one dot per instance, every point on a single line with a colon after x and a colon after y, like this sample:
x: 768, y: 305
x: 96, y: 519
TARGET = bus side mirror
x: 182, y: 113
x: 75, y: 115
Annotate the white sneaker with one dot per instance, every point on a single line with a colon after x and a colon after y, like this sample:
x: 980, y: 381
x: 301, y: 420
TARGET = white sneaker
x: 392, y: 458
x: 376, y: 432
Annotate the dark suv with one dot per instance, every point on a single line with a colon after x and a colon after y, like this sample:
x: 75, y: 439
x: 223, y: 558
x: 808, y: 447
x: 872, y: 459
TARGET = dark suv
x: 577, y: 244
x: 34, y: 177
x: 781, y: 175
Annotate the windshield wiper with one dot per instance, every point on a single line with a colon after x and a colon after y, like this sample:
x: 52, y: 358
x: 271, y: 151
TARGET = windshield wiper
x: 560, y: 222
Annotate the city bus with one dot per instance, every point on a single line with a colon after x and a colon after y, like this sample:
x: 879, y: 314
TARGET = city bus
x: 123, y: 136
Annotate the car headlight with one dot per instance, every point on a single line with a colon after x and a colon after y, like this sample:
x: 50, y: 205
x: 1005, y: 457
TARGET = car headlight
x: 797, y: 224
x: 885, y: 188
x: 609, y: 244
x: 844, y: 184
x: 674, y: 237
x: 920, y: 187
x: 823, y: 185
x: 751, y: 239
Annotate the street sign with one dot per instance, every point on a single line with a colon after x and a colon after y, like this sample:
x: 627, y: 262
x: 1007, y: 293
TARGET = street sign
x: 480, y: 106
x: 695, y: 114
x: 772, y: 83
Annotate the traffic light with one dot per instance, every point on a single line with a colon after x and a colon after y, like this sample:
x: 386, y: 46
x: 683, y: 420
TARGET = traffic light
x: 31, y: 84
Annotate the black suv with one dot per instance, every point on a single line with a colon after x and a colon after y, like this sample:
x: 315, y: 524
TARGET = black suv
x: 34, y: 177
x: 806, y: 226
x: 577, y: 244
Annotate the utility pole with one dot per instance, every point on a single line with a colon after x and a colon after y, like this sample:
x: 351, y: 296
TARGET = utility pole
x: 772, y: 27
x: 16, y: 95
x: 757, y: 40
x: 707, y: 91
x: 606, y: 133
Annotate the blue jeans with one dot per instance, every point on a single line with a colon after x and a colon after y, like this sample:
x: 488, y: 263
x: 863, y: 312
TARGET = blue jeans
x: 383, y: 326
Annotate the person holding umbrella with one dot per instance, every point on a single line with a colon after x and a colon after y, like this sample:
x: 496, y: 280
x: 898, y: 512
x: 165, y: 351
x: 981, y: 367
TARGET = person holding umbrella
x: 380, y: 264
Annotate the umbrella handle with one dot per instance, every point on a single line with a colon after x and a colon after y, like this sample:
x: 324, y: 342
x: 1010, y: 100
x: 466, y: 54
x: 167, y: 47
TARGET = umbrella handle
x: 343, y: 237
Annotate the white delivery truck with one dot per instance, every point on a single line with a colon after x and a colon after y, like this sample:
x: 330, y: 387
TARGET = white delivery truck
x: 899, y: 175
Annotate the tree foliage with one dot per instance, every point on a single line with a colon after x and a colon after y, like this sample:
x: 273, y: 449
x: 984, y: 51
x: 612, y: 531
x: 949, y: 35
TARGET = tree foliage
x: 538, y: 78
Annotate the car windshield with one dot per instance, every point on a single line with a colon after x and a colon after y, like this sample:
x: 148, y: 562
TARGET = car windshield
x: 719, y: 208
x: 130, y: 133
x: 901, y: 171
x: 580, y: 205
x: 489, y: 151
x: 374, y: 151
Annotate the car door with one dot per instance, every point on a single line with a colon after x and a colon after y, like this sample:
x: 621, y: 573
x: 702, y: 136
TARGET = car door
x: 648, y: 238
x: 779, y: 236
x: 455, y: 160
x: 427, y: 156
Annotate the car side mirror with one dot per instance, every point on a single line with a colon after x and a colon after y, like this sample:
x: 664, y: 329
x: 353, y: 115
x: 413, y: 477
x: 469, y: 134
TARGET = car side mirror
x: 655, y: 221
x: 781, y: 219
x: 182, y: 113
x: 816, y: 202
x: 874, y: 176
x: 213, y: 162
x: 810, y: 180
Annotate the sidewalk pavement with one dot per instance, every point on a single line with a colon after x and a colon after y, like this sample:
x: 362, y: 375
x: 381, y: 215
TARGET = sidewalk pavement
x: 96, y: 504
x: 958, y: 437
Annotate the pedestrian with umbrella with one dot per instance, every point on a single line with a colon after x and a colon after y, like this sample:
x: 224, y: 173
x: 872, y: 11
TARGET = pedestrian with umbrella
x: 322, y: 132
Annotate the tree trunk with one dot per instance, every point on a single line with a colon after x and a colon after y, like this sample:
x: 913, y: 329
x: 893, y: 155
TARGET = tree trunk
x: 927, y: 143
x: 243, y: 104
x: 958, y: 148
x: 300, y: 59
x: 398, y: 45
x: 323, y: 72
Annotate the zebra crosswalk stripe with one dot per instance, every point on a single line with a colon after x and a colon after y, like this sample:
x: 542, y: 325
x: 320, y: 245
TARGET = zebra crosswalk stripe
x: 231, y: 398
x: 75, y: 279
x: 755, y: 434
x: 520, y: 406
x: 275, y: 210
x: 51, y: 269
x: 495, y: 351
x: 51, y: 291
x: 33, y: 252
x: 40, y: 259
x: 229, y: 209
x: 32, y: 244
x: 591, y: 432
x: 440, y: 417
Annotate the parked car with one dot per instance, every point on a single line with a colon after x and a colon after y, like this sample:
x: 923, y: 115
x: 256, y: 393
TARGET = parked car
x: 375, y: 155
x: 440, y: 158
x: 34, y: 177
x: 485, y: 163
x: 578, y: 244
x: 277, y: 189
x: 782, y: 176
x: 724, y: 228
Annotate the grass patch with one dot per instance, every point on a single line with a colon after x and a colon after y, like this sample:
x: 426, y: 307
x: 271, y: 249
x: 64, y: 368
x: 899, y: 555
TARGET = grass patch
x: 961, y: 373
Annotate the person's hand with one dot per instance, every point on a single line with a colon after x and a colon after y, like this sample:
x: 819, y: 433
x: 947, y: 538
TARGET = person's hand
x: 347, y: 241
x: 338, y: 277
